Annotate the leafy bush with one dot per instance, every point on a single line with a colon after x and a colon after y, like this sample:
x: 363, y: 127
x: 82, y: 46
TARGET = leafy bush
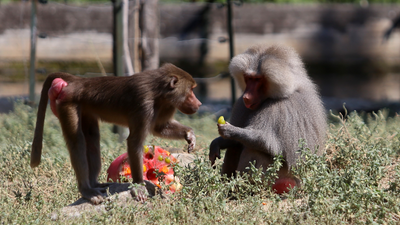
x: 356, y: 181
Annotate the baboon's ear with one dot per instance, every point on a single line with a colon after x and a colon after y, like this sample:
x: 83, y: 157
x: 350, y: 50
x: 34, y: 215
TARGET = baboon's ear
x: 173, y: 81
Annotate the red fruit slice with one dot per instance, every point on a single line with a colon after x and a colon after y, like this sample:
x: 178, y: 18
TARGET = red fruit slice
x: 151, y: 174
x: 282, y: 185
x: 154, y: 159
x: 148, y: 155
x: 116, y: 167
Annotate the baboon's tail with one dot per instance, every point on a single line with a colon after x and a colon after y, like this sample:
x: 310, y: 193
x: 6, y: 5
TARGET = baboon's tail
x: 36, y: 152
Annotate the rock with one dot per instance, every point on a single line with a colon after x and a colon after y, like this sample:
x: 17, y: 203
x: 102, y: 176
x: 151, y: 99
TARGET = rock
x: 173, y: 150
x: 84, y: 206
x: 124, y: 196
x: 184, y: 159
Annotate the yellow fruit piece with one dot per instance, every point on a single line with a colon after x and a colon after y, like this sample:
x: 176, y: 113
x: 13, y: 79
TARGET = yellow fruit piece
x: 167, y: 160
x: 126, y: 171
x: 164, y: 169
x: 160, y: 158
x: 146, y: 148
x: 144, y: 168
x: 221, y: 120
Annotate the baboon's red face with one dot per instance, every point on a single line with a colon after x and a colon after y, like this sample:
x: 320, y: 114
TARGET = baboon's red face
x: 256, y: 87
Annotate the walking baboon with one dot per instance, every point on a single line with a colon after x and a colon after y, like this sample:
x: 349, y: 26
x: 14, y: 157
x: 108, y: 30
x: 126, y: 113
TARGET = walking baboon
x: 145, y: 103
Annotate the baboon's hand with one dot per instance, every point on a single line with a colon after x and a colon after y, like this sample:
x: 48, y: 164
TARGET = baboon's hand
x: 139, y: 192
x: 94, y: 195
x: 226, y: 130
x: 215, y: 151
x: 191, y: 140
x: 95, y: 200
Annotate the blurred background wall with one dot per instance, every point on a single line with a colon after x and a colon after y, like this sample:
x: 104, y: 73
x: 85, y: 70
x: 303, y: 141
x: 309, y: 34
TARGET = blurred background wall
x: 342, y: 45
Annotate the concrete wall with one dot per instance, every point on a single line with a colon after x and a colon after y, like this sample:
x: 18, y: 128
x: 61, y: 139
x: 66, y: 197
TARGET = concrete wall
x: 318, y: 32
x: 325, y: 35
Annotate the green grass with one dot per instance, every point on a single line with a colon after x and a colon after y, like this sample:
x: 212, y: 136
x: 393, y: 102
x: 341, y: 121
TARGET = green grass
x: 357, y: 181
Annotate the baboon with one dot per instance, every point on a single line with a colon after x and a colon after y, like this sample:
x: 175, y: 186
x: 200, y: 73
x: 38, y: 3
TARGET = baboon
x: 145, y: 103
x: 279, y: 106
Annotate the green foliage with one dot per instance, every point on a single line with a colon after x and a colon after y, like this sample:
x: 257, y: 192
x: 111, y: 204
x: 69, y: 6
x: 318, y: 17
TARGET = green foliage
x: 356, y: 181
x: 354, y: 178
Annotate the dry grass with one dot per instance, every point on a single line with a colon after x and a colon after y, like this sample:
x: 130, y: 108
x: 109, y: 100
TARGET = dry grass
x: 356, y: 182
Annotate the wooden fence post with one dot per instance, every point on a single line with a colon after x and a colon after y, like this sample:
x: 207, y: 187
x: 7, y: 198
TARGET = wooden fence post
x: 144, y: 34
x: 231, y: 49
x: 118, y: 53
x: 149, y: 26
x: 118, y: 39
x: 32, y: 53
